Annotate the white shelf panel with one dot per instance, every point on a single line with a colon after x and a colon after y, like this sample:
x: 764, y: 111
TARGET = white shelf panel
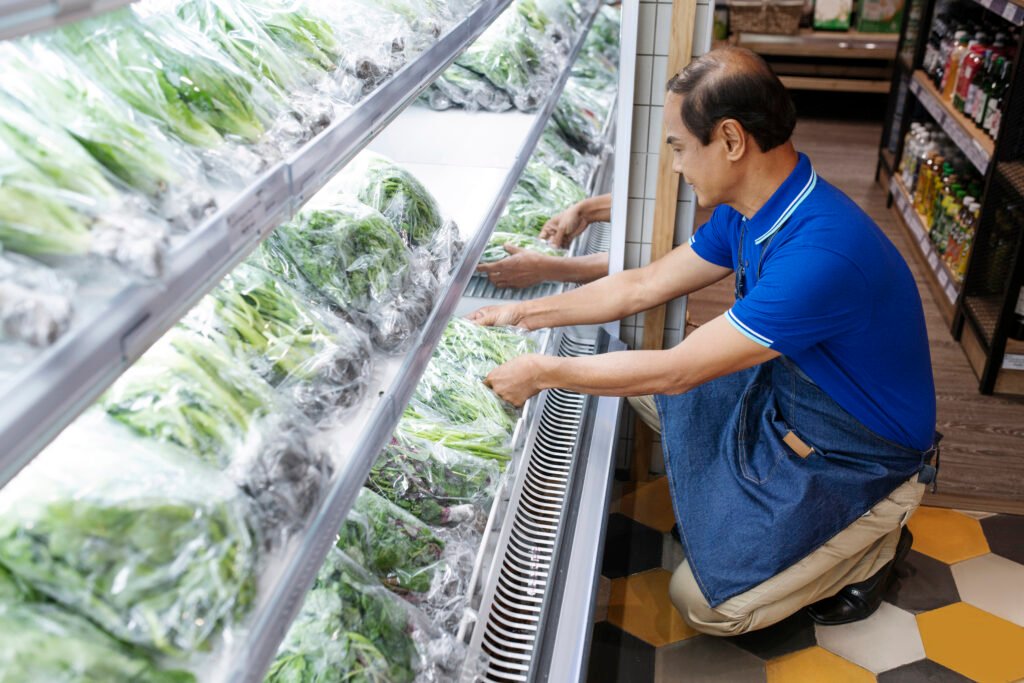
x: 44, y: 396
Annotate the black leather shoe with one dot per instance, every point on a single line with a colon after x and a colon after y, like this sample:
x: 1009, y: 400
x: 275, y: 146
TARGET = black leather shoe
x: 860, y: 600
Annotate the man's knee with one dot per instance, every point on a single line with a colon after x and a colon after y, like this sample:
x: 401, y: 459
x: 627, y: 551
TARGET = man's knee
x: 695, y: 610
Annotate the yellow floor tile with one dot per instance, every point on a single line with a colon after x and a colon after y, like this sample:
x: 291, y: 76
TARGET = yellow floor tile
x: 639, y: 604
x: 947, y: 535
x: 815, y: 665
x: 650, y: 504
x: 977, y: 644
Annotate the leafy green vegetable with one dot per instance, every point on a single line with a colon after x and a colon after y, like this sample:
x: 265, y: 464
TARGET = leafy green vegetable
x: 460, y: 87
x: 555, y: 152
x: 350, y: 630
x: 300, y: 32
x: 540, y: 193
x: 495, y: 250
x: 392, y: 544
x: 581, y: 114
x: 148, y: 543
x: 169, y: 74
x: 402, y: 199
x: 189, y: 392
x: 44, y: 643
x: 432, y: 482
x: 350, y: 253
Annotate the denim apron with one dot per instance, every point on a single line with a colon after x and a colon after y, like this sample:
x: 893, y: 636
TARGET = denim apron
x: 747, y: 505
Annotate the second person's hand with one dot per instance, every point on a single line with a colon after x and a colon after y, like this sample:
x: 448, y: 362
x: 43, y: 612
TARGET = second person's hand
x: 563, y: 227
x: 497, y: 316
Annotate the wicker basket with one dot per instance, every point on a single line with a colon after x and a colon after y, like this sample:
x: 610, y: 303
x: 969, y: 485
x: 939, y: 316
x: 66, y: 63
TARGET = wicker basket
x: 765, y: 16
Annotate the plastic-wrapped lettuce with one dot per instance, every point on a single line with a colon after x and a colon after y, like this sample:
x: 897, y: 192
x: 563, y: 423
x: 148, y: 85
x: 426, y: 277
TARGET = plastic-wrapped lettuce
x: 541, y: 192
x: 133, y: 150
x: 460, y: 87
x: 42, y: 642
x: 390, y: 543
x: 35, y: 301
x: 400, y: 197
x: 191, y: 392
x: 350, y: 630
x: 150, y: 544
x: 556, y: 153
x: 169, y: 73
x: 581, y: 114
x: 322, y: 361
x: 436, y: 484
x: 495, y: 249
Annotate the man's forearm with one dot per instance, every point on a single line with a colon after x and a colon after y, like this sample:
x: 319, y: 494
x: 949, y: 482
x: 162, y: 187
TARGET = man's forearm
x: 597, y: 209
x: 622, y: 373
x: 609, y: 298
x: 581, y: 269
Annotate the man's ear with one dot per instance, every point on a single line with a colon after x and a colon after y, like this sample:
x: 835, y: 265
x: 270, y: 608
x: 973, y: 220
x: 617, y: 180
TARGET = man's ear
x: 734, y: 138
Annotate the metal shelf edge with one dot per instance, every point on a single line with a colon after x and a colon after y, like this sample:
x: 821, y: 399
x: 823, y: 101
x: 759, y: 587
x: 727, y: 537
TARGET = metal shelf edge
x: 1008, y: 10
x: 964, y: 139
x: 271, y: 625
x: 18, y: 18
x: 924, y: 243
x: 58, y: 385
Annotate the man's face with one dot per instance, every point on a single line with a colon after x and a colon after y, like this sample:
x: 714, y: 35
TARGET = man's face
x: 705, y: 168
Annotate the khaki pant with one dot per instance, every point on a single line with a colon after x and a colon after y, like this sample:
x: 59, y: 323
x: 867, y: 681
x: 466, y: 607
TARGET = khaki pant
x: 852, y: 555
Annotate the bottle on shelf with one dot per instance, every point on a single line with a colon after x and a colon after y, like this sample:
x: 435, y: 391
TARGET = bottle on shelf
x: 949, y: 73
x: 995, y: 96
x: 969, y: 68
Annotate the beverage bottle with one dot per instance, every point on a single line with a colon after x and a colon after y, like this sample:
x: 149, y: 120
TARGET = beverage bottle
x: 980, y: 88
x: 952, y: 250
x: 994, y: 103
x: 977, y: 85
x: 968, y: 69
x: 960, y: 267
x: 956, y: 55
x: 946, y: 45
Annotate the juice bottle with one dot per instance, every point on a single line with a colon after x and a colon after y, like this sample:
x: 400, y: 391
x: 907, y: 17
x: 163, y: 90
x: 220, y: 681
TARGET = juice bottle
x: 949, y: 75
x: 969, y: 67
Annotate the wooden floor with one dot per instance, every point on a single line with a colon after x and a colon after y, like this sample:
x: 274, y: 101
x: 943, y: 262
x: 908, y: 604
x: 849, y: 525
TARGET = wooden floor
x: 983, y: 449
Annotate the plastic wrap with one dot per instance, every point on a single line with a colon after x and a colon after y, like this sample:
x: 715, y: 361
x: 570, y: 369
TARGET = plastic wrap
x: 190, y: 392
x: 44, y: 643
x: 350, y: 629
x: 395, y: 546
x: 495, y: 250
x: 481, y: 349
x: 458, y: 87
x: 35, y: 301
x: 540, y: 193
x: 557, y: 154
x: 445, y: 251
x: 351, y: 254
x: 436, y: 484
x: 130, y: 148
x: 148, y: 543
x: 321, y: 361
x: 581, y: 115
x: 395, y: 192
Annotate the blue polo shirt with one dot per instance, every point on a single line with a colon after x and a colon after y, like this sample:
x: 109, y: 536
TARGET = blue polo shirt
x: 826, y: 288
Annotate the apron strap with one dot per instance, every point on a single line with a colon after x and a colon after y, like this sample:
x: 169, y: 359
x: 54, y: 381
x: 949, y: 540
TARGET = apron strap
x: 929, y: 473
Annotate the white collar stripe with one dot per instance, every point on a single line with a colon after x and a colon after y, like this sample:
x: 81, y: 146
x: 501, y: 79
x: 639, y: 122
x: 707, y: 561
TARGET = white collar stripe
x: 747, y: 332
x: 804, y: 193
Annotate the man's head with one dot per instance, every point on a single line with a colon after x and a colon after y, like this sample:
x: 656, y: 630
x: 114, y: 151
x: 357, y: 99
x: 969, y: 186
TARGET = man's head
x: 723, y: 111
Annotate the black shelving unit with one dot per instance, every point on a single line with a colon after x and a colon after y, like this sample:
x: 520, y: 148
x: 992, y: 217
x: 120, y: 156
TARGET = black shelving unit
x: 980, y: 311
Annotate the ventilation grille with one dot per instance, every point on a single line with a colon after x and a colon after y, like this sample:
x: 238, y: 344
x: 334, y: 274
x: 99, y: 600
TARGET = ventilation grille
x: 599, y: 237
x: 513, y: 606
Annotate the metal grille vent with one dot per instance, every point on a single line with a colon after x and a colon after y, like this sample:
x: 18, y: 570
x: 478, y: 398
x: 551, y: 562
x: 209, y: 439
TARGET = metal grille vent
x: 599, y: 238
x: 480, y: 287
x: 513, y: 605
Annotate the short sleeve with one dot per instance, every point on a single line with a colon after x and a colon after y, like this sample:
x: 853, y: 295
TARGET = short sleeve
x: 804, y: 297
x: 713, y: 240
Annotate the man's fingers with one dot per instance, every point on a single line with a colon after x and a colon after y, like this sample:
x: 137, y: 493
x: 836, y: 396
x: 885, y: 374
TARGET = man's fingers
x: 487, y: 267
x: 512, y: 249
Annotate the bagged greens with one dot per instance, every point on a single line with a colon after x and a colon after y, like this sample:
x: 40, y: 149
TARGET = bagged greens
x: 350, y: 629
x: 438, y: 485
x: 495, y: 249
x: 540, y: 193
x: 556, y: 153
x: 35, y: 301
x: 44, y: 643
x: 581, y: 114
x: 390, y: 543
x: 148, y: 543
x: 401, y: 198
x: 460, y: 87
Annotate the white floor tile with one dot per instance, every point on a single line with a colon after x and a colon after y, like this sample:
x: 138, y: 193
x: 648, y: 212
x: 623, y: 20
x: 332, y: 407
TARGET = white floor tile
x: 887, y: 639
x: 994, y: 584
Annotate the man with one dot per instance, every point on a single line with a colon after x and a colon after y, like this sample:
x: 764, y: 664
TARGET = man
x: 525, y: 268
x: 798, y: 426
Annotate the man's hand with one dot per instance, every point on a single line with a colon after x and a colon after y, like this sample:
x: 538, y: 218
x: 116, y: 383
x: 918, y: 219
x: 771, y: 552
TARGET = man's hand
x: 518, y: 379
x: 563, y: 227
x: 521, y: 268
x: 497, y: 316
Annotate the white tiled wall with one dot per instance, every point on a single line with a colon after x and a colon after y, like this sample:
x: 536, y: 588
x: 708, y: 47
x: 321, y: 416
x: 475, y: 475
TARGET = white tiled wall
x: 654, y: 34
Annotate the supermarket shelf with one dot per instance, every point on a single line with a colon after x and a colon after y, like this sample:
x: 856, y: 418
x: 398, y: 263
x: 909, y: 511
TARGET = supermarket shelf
x: 977, y: 146
x: 835, y: 84
x: 41, y: 399
x: 18, y: 17
x: 810, y: 43
x: 1011, y: 11
x: 295, y: 572
x: 904, y: 205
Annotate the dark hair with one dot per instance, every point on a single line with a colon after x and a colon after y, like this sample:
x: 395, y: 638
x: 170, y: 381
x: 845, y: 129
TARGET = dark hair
x: 734, y: 83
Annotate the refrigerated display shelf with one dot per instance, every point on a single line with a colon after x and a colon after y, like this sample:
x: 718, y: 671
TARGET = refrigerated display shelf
x: 975, y: 145
x: 44, y: 396
x: 18, y: 17
x: 291, y: 574
x: 916, y: 226
x: 1011, y: 11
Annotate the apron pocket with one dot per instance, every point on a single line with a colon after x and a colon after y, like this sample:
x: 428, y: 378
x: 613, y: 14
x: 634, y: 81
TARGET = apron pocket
x: 759, y: 444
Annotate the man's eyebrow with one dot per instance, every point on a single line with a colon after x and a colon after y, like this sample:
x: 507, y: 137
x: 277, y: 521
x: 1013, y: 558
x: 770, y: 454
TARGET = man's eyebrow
x: 671, y: 140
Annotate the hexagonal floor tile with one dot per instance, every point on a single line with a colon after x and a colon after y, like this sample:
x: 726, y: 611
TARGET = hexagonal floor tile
x: 639, y: 604
x: 994, y: 584
x: 885, y: 640
x: 616, y: 656
x: 672, y: 554
x: 947, y: 535
x: 1005, y: 534
x: 650, y: 504
x: 789, y: 635
x: 973, y: 643
x: 629, y: 547
x: 924, y: 584
x: 709, y: 660
x: 815, y: 665
x: 924, y: 671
